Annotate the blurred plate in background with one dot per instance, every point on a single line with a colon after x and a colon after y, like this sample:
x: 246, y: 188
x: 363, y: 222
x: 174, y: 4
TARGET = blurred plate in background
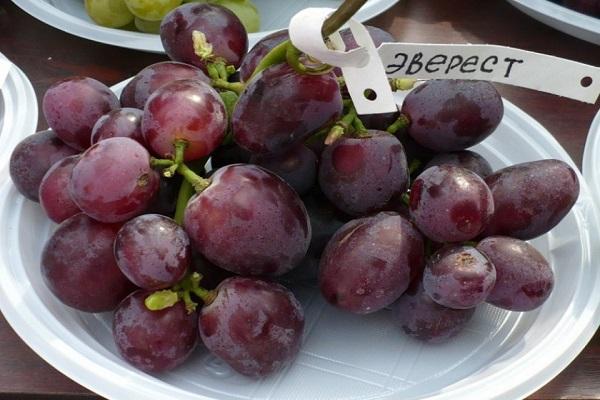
x: 565, y: 20
x: 70, y: 16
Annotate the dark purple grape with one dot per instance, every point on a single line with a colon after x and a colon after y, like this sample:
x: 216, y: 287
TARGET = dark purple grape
x: 416, y: 155
x: 298, y: 167
x: 379, y: 122
x: 450, y: 204
x: 450, y: 115
x: 222, y: 29
x: 422, y: 318
x: 154, y: 341
x: 459, y: 277
x: 531, y: 198
x: 589, y: 7
x: 378, y: 36
x: 259, y: 51
x: 361, y: 175
x: 254, y: 326
x: 187, y: 110
x: 524, y: 279
x: 33, y: 157
x: 123, y: 122
x: 153, y: 251
x: 369, y: 262
x: 136, y: 92
x: 309, y: 102
x: 465, y: 159
x: 113, y: 180
x: 79, y: 267
x: 212, y: 275
x: 54, y: 191
x: 165, y: 201
x: 227, y: 155
x: 325, y: 220
x: 73, y: 105
x: 249, y: 221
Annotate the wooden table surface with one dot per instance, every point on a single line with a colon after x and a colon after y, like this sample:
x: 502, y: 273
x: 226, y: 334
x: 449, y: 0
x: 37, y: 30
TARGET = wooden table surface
x: 46, y: 54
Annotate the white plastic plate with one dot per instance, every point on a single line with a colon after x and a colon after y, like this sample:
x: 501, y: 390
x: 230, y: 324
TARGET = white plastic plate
x: 591, y: 159
x: 70, y: 16
x: 18, y: 111
x: 500, y: 355
x: 564, y: 19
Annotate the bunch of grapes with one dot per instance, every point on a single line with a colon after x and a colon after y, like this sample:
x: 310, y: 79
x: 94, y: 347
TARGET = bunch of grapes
x: 146, y: 15
x: 299, y: 188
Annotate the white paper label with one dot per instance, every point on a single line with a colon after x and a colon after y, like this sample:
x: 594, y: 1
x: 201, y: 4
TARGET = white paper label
x: 4, y: 68
x: 364, y: 68
x: 493, y: 63
x: 356, y: 64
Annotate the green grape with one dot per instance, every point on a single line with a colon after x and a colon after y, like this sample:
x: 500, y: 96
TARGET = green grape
x: 151, y: 10
x: 109, y: 13
x: 147, y: 26
x: 245, y: 10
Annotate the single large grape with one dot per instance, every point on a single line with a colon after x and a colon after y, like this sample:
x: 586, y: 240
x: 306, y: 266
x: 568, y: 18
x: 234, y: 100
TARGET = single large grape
x: 450, y: 204
x: 124, y: 122
x: 136, y: 92
x: 249, y: 221
x: 465, y: 159
x: 369, y: 262
x: 73, y: 105
x: 531, y: 198
x: 54, y: 191
x: 422, y: 318
x: 33, y: 157
x: 361, y: 175
x: 310, y: 103
x: 298, y: 167
x: 450, y: 115
x: 524, y: 278
x: 254, y: 326
x: 109, y: 13
x: 154, y: 341
x: 79, y: 267
x: 221, y: 28
x: 459, y: 277
x: 187, y: 110
x: 113, y: 180
x: 151, y: 10
x: 153, y: 251
x: 259, y: 51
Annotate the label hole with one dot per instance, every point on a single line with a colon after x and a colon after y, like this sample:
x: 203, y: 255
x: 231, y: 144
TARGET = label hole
x: 370, y: 94
x: 586, y: 81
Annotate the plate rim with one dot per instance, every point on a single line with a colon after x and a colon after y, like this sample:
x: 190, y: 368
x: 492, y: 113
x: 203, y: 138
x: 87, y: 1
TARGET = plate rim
x: 17, y: 87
